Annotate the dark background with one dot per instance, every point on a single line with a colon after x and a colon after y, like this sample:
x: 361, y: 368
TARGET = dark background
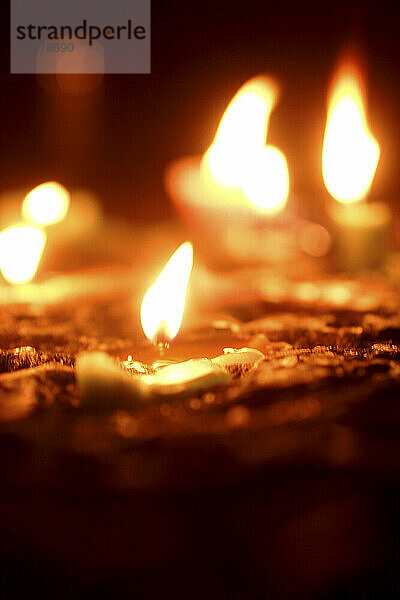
x: 118, y: 138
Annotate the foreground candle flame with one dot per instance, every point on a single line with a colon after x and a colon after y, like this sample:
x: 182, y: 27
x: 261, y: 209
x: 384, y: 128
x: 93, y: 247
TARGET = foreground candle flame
x: 163, y: 305
x: 46, y: 204
x: 21, y: 248
x: 350, y: 153
x: 238, y: 156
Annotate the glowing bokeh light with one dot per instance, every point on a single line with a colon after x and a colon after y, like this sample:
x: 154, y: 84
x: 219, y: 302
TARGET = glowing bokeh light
x: 46, y: 204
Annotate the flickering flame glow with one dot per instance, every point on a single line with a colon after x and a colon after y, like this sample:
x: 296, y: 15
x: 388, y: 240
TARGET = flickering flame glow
x: 21, y: 248
x: 350, y: 153
x: 243, y: 129
x: 46, y: 204
x: 238, y: 157
x: 164, y: 303
x: 266, y: 182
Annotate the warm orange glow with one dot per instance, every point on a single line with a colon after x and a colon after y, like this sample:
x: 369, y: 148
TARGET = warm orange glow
x: 21, y: 248
x: 163, y: 305
x: 238, y: 157
x: 266, y: 182
x: 350, y: 153
x: 46, y: 204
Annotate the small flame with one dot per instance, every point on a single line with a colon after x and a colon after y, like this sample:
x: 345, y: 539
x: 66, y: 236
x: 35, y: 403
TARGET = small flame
x: 350, y: 153
x: 238, y: 156
x: 21, y: 248
x: 163, y: 305
x: 46, y: 204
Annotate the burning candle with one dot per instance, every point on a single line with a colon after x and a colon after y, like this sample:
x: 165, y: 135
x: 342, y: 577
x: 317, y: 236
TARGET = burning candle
x: 104, y: 382
x: 350, y: 156
x: 22, y: 245
x: 163, y: 305
x: 48, y: 224
x: 72, y: 221
x: 235, y: 194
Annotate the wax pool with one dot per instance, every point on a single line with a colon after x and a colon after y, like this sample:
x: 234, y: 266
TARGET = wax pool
x: 103, y: 383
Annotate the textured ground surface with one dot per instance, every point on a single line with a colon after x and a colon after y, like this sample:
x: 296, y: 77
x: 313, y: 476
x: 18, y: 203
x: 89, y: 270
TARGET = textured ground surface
x: 285, y: 483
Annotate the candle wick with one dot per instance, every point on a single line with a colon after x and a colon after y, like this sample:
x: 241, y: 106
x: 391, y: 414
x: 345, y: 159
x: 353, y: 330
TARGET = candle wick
x: 162, y: 347
x: 161, y: 339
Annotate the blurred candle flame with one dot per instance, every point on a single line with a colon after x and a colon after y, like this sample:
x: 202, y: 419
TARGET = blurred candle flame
x: 46, y: 204
x: 266, y: 181
x: 238, y: 156
x: 164, y: 303
x: 350, y: 153
x: 21, y: 248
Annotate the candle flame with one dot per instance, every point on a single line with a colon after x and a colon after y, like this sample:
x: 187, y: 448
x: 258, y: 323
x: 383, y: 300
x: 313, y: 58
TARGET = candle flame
x: 266, y: 182
x: 21, y: 248
x: 164, y: 303
x: 46, y: 204
x: 238, y: 156
x: 350, y: 153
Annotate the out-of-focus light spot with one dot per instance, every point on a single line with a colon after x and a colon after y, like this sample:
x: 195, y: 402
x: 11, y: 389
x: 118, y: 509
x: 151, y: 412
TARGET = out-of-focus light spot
x: 76, y: 72
x: 307, y: 292
x: 21, y: 248
x: 125, y: 425
x: 237, y: 416
x: 46, y: 204
x: 337, y: 293
x: 314, y: 239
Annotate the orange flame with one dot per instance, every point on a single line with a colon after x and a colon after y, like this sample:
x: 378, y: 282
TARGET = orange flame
x: 350, y: 153
x: 164, y: 303
x: 238, y: 156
